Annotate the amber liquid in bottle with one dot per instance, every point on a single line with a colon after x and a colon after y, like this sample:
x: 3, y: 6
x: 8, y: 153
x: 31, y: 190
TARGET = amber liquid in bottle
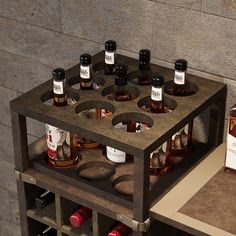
x: 62, y: 145
x: 181, y: 142
x: 86, y: 81
x: 110, y: 57
x: 180, y: 84
x: 144, y: 72
x: 160, y: 163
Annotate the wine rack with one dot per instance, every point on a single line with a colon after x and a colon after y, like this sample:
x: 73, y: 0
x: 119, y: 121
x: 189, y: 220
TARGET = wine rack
x: 123, y: 192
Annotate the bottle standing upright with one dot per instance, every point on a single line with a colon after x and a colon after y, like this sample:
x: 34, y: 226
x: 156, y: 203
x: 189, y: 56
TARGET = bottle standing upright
x: 61, y: 144
x: 86, y: 81
x: 110, y: 57
x: 180, y: 83
x: 144, y: 69
x: 157, y: 94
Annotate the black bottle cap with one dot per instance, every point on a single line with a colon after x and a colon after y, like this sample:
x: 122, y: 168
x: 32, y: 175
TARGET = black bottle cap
x: 158, y: 80
x: 110, y: 45
x: 85, y: 59
x: 121, y: 72
x: 58, y: 74
x: 144, y: 56
x: 181, y: 64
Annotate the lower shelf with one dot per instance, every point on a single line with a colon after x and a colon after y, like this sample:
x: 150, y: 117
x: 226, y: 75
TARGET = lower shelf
x: 46, y: 215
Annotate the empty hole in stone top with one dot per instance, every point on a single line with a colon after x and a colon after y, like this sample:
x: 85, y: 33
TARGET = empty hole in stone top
x: 95, y: 109
x: 98, y: 81
x: 72, y: 98
x: 145, y: 104
x: 192, y: 88
x: 132, y: 122
x: 108, y: 92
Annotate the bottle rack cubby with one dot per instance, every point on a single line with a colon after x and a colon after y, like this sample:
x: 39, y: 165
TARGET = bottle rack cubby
x: 123, y: 192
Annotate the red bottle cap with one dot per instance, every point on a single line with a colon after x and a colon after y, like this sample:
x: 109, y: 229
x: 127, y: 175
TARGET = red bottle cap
x: 76, y: 219
x: 114, y: 233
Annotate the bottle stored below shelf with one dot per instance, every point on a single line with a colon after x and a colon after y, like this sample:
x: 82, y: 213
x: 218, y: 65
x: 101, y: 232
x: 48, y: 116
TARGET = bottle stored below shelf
x: 181, y: 142
x: 110, y: 57
x: 61, y: 144
x: 48, y: 231
x: 80, y: 216
x: 44, y: 199
x: 160, y: 163
x: 120, y: 230
x: 86, y: 81
x: 230, y: 160
x: 180, y: 83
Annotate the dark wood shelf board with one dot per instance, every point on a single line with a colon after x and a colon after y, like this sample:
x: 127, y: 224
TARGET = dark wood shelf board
x: 46, y: 215
x: 83, y: 197
x: 84, y: 230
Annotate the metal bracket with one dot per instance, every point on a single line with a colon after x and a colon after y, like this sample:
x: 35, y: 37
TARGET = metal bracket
x: 25, y: 177
x: 135, y: 225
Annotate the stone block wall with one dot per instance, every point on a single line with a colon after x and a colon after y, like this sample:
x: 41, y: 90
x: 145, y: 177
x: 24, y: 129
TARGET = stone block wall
x: 37, y: 36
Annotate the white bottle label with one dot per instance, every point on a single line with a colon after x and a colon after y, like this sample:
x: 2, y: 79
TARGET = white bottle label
x: 156, y: 94
x: 115, y: 155
x: 58, y: 143
x: 58, y: 87
x: 179, y: 77
x: 231, y: 152
x: 109, y: 58
x: 85, y: 72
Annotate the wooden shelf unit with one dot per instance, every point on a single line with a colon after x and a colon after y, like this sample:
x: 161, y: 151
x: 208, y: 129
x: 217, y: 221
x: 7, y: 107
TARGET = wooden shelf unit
x: 99, y: 195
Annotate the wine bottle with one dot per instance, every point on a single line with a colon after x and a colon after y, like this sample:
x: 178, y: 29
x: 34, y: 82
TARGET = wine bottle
x: 86, y: 81
x: 180, y: 84
x: 61, y: 144
x: 80, y: 216
x: 120, y: 230
x: 110, y: 57
x: 144, y: 70
x: 48, y: 231
x: 44, y: 199
x: 157, y: 94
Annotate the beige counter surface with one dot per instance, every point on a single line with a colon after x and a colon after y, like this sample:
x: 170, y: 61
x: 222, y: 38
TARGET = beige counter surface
x: 204, y: 202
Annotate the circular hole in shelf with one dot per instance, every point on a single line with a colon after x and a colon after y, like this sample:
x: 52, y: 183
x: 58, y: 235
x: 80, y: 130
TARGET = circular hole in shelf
x: 47, y: 98
x: 192, y: 88
x: 133, y: 77
x: 96, y: 170
x: 124, y: 184
x: 95, y: 109
x: 98, y: 81
x: 108, y: 93
x: 99, y: 68
x: 169, y: 104
x: 142, y: 122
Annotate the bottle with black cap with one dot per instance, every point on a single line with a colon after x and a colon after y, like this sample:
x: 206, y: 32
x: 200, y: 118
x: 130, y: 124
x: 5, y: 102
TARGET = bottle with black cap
x: 157, y: 94
x: 48, y: 231
x: 61, y: 144
x: 86, y: 81
x: 121, y: 92
x: 145, y: 73
x: 44, y: 199
x: 179, y: 86
x: 110, y: 57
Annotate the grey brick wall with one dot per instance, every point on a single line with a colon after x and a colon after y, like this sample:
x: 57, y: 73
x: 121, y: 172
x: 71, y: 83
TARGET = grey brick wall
x: 37, y: 36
